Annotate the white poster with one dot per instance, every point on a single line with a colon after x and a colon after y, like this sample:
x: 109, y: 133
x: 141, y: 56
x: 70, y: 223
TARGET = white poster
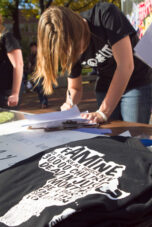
x: 20, y: 146
x: 143, y: 49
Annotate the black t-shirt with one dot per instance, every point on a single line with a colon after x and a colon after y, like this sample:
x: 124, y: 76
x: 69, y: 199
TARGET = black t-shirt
x: 104, y: 181
x: 109, y: 25
x: 8, y: 43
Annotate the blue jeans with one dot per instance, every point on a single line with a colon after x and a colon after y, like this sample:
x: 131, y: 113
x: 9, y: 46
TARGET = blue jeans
x: 135, y: 105
x: 42, y: 97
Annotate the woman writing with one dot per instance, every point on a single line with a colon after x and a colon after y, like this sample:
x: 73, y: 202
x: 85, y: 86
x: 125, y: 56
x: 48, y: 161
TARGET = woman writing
x: 102, y: 38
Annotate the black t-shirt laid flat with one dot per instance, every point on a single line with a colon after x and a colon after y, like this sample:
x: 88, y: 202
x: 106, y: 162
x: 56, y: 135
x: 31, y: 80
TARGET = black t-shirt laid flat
x: 7, y: 44
x: 104, y: 181
x: 108, y: 25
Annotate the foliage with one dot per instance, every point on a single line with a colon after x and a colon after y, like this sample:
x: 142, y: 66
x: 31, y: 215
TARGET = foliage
x: 5, y: 8
x: 34, y: 8
x: 82, y: 5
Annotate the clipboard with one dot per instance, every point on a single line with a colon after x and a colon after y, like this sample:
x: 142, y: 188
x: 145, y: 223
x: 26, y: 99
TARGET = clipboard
x: 67, y: 125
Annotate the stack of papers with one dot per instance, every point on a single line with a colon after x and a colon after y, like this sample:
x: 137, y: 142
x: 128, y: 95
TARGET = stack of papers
x: 55, y: 119
x: 46, y: 120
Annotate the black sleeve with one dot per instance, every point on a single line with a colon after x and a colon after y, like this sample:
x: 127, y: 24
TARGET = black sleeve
x: 115, y: 23
x: 11, y: 42
x: 76, y: 70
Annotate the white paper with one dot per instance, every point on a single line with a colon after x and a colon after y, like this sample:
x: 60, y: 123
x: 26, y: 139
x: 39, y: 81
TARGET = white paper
x: 13, y: 127
x: 72, y: 113
x: 20, y: 146
x: 143, y: 49
x: 55, y: 119
x: 125, y: 134
x: 52, y: 119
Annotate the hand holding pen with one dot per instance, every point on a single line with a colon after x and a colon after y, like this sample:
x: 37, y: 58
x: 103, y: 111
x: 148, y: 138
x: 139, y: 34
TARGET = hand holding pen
x: 69, y: 104
x: 70, y: 98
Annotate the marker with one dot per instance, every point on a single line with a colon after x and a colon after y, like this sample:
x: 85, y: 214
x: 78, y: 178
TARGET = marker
x: 69, y: 95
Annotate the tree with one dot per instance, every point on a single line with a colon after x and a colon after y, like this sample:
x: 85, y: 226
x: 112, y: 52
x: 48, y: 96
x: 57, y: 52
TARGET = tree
x: 44, y: 5
x: 11, y: 8
x: 76, y: 5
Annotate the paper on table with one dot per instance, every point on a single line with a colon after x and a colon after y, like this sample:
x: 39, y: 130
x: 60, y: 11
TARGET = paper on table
x: 13, y: 127
x: 55, y: 119
x: 125, y: 134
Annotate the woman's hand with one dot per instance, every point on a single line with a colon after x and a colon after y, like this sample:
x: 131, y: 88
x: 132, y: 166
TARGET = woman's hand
x: 65, y: 106
x: 74, y: 93
x: 13, y: 100
x: 93, y: 117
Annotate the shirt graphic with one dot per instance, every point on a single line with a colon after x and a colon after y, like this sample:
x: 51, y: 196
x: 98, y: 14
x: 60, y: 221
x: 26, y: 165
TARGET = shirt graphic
x: 77, y: 172
x: 100, y: 56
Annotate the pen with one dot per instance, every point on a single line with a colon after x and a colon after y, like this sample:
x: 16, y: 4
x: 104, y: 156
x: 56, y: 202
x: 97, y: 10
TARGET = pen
x: 70, y: 99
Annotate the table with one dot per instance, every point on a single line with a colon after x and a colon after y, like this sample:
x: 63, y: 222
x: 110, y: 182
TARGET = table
x: 117, y: 127
x: 135, y: 129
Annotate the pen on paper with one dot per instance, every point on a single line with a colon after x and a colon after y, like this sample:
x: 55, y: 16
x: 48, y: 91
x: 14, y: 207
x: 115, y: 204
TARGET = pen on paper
x: 70, y: 98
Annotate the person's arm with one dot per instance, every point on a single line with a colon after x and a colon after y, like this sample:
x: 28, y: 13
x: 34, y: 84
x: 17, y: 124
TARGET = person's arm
x: 122, y: 52
x: 16, y: 60
x: 75, y: 88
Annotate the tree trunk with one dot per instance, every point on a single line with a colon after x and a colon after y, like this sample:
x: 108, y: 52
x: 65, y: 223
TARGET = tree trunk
x: 15, y: 16
x: 44, y: 6
x: 41, y: 5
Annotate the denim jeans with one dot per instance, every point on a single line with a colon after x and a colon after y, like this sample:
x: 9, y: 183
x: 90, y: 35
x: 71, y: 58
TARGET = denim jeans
x: 135, y: 105
x: 42, y: 97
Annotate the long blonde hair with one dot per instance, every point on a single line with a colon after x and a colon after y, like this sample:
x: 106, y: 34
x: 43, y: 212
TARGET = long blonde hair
x: 60, y: 31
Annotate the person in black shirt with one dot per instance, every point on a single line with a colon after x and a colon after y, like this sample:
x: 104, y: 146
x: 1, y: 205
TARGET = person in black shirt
x: 11, y: 69
x: 104, y: 39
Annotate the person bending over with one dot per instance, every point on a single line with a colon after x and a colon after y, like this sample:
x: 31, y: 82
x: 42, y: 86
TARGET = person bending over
x: 102, y: 38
